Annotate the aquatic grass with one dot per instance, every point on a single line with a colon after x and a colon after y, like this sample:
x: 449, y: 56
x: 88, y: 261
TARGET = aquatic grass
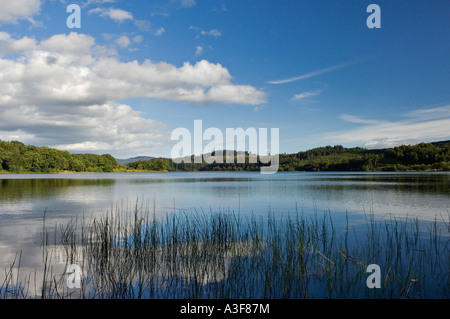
x: 136, y: 254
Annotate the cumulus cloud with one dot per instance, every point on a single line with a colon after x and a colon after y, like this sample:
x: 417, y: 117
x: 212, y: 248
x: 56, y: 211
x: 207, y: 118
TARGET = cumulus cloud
x: 123, y: 41
x: 84, y: 65
x: 112, y: 128
x: 21, y: 45
x: 12, y: 11
x: 4, y: 36
x: 65, y: 88
x: 118, y: 15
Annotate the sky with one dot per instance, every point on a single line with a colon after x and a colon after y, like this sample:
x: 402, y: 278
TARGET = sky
x: 136, y: 70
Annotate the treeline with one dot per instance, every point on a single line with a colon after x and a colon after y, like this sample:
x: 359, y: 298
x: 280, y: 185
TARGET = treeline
x: 153, y: 165
x: 420, y: 157
x: 15, y: 157
x: 191, y: 164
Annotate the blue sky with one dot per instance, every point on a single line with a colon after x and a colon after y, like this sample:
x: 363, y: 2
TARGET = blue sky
x: 136, y: 70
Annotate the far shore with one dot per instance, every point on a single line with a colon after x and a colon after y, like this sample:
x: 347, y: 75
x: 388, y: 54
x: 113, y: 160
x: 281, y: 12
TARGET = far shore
x: 74, y: 172
x: 2, y: 173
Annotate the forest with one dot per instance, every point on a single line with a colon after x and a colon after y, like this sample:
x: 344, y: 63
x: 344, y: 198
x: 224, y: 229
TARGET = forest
x: 420, y: 157
x: 16, y: 157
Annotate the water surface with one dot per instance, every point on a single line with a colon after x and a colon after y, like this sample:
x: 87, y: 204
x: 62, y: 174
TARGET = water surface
x: 25, y: 199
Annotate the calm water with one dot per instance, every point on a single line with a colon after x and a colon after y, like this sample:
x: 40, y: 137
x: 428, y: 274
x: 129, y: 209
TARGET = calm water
x: 424, y: 196
x: 25, y: 198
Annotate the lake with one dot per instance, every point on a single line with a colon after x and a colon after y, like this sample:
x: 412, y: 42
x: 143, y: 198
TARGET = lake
x: 346, y: 197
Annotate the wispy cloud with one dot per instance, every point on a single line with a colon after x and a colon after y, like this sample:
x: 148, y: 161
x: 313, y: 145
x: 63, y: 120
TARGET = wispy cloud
x: 423, y: 125
x: 213, y: 32
x: 160, y: 31
x: 138, y: 39
x: 315, y: 73
x: 358, y: 120
x: 142, y: 25
x: 187, y: 3
x: 198, y: 50
x: 94, y: 2
x: 305, y: 95
x: 430, y: 113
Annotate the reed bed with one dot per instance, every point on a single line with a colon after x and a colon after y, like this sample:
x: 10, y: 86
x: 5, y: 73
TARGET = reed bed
x: 136, y: 254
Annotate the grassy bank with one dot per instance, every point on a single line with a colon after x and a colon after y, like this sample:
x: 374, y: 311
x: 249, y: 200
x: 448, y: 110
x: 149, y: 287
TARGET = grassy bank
x: 225, y: 255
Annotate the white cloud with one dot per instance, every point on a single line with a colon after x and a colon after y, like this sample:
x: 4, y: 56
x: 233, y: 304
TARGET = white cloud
x: 123, y: 41
x: 21, y: 45
x: 160, y: 31
x: 198, y: 50
x: 305, y: 95
x: 187, y: 3
x: 317, y: 72
x: 138, y: 39
x: 430, y: 113
x: 107, y: 128
x: 90, y: 2
x: 424, y: 125
x: 214, y: 32
x: 4, y: 36
x: 115, y: 128
x: 118, y: 15
x: 62, y: 91
x: 83, y: 64
x: 12, y: 11
x: 142, y: 25
x: 358, y: 120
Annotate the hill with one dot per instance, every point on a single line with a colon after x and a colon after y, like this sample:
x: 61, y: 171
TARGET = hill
x: 420, y: 157
x: 133, y: 159
x: 16, y: 157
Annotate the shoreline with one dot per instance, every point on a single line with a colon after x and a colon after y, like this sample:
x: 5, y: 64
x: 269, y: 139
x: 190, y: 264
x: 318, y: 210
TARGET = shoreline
x: 220, y: 171
x: 74, y: 172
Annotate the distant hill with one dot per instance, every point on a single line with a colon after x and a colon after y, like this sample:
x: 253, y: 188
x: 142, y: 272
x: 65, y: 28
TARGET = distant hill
x: 133, y: 159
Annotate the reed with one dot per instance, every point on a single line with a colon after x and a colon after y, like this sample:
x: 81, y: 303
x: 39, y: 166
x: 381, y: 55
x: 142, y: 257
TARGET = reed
x: 136, y: 254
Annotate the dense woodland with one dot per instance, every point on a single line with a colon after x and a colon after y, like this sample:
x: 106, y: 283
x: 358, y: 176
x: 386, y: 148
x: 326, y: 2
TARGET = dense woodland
x: 16, y: 157
x: 420, y: 157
